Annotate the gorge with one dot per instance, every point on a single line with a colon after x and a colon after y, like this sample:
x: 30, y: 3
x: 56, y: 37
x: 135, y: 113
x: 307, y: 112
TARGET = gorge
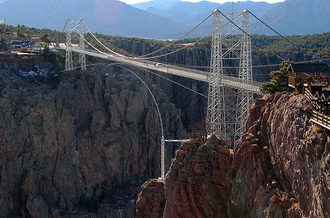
x: 84, y: 144
x: 280, y: 168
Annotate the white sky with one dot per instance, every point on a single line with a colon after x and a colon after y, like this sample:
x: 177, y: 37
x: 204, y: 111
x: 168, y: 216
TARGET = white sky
x: 218, y: 1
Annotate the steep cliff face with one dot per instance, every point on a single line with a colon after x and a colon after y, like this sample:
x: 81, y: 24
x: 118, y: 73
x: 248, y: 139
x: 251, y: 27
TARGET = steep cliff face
x: 286, y: 160
x: 280, y: 168
x: 84, y: 147
x: 197, y: 185
x: 200, y: 178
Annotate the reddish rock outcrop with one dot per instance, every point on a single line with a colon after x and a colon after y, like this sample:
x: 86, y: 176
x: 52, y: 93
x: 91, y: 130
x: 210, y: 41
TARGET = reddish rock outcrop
x: 281, y: 164
x: 198, y: 182
x: 281, y: 168
x: 151, y: 200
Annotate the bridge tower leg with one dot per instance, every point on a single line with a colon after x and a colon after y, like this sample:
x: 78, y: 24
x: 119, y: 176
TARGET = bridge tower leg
x: 228, y: 108
x: 216, y: 113
x: 82, y: 57
x: 68, y: 54
x: 244, y: 98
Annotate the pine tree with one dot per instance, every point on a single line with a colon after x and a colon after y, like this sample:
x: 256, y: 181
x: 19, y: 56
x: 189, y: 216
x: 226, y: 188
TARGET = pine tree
x: 278, y: 81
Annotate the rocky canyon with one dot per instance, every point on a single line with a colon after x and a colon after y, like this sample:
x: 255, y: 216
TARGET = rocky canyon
x: 80, y: 147
x: 279, y: 168
x: 87, y: 144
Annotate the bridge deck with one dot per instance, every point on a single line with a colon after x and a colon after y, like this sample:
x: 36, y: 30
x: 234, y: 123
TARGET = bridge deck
x: 233, y: 82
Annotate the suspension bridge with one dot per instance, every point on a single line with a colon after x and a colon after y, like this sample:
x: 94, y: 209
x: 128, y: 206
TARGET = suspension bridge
x: 230, y: 94
x: 229, y: 81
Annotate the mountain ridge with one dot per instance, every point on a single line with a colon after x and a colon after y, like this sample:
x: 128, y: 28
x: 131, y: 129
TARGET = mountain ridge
x: 291, y: 17
x: 165, y: 19
x: 125, y: 20
x: 314, y: 17
x: 190, y: 13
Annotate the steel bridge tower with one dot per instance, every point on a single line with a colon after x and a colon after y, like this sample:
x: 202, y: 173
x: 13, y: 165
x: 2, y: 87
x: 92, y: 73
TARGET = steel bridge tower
x: 245, y: 98
x: 228, y: 108
x: 69, y: 26
x: 82, y: 57
x: 216, y: 112
x: 68, y: 44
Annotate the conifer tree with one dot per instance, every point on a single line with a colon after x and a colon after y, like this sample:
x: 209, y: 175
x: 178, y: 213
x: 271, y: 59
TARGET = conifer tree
x: 278, y: 81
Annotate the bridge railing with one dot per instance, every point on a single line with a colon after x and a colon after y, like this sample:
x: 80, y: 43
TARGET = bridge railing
x: 241, y: 82
x: 321, y: 119
x: 229, y: 81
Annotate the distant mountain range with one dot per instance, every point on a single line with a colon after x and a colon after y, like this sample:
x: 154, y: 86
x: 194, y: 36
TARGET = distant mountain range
x: 291, y: 17
x: 160, y: 4
x: 162, y: 18
x: 103, y: 16
x: 299, y: 17
x: 182, y: 11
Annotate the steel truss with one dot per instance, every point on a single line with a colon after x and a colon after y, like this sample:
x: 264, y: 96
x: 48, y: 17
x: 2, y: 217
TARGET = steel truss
x: 79, y: 28
x: 68, y: 44
x: 227, y: 107
x: 82, y: 57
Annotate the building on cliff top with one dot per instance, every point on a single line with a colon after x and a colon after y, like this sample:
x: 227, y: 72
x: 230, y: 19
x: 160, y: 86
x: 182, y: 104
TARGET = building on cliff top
x: 314, y: 76
x: 312, y: 79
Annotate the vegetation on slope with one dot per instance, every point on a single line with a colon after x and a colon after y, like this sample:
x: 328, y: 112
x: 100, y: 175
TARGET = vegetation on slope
x: 317, y: 43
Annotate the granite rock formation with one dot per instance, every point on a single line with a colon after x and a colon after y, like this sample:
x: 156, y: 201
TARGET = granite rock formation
x: 200, y: 178
x: 151, y: 199
x: 286, y: 159
x: 197, y: 185
x: 280, y: 168
x: 82, y: 147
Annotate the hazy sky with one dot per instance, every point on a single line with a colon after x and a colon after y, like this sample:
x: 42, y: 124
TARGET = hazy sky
x: 218, y: 1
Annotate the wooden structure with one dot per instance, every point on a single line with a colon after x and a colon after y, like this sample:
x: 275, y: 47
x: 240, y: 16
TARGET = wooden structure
x: 312, y: 80
x: 321, y: 119
x: 322, y: 98
x: 314, y: 76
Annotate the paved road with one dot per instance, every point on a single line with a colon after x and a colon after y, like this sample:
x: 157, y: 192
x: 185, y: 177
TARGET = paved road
x: 233, y: 82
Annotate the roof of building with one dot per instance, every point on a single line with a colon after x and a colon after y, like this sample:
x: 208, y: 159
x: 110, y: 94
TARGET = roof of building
x: 310, y: 68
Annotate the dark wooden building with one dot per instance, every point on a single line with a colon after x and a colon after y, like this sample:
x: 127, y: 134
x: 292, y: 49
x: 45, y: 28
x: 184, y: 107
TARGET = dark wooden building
x: 312, y: 79
x: 315, y: 76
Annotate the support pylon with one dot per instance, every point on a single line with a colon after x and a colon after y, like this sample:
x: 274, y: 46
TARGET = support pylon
x: 216, y: 105
x: 245, y: 98
x: 228, y: 108
x: 82, y: 57
x: 68, y: 44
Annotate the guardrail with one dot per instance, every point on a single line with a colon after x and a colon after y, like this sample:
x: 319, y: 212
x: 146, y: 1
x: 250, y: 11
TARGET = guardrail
x: 321, y: 119
x: 229, y: 81
x: 310, y: 96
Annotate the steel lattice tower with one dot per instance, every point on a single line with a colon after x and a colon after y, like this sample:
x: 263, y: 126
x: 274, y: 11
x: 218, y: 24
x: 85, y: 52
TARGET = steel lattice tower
x: 82, y: 57
x: 216, y: 105
x: 245, y: 74
x: 228, y: 108
x: 68, y: 44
